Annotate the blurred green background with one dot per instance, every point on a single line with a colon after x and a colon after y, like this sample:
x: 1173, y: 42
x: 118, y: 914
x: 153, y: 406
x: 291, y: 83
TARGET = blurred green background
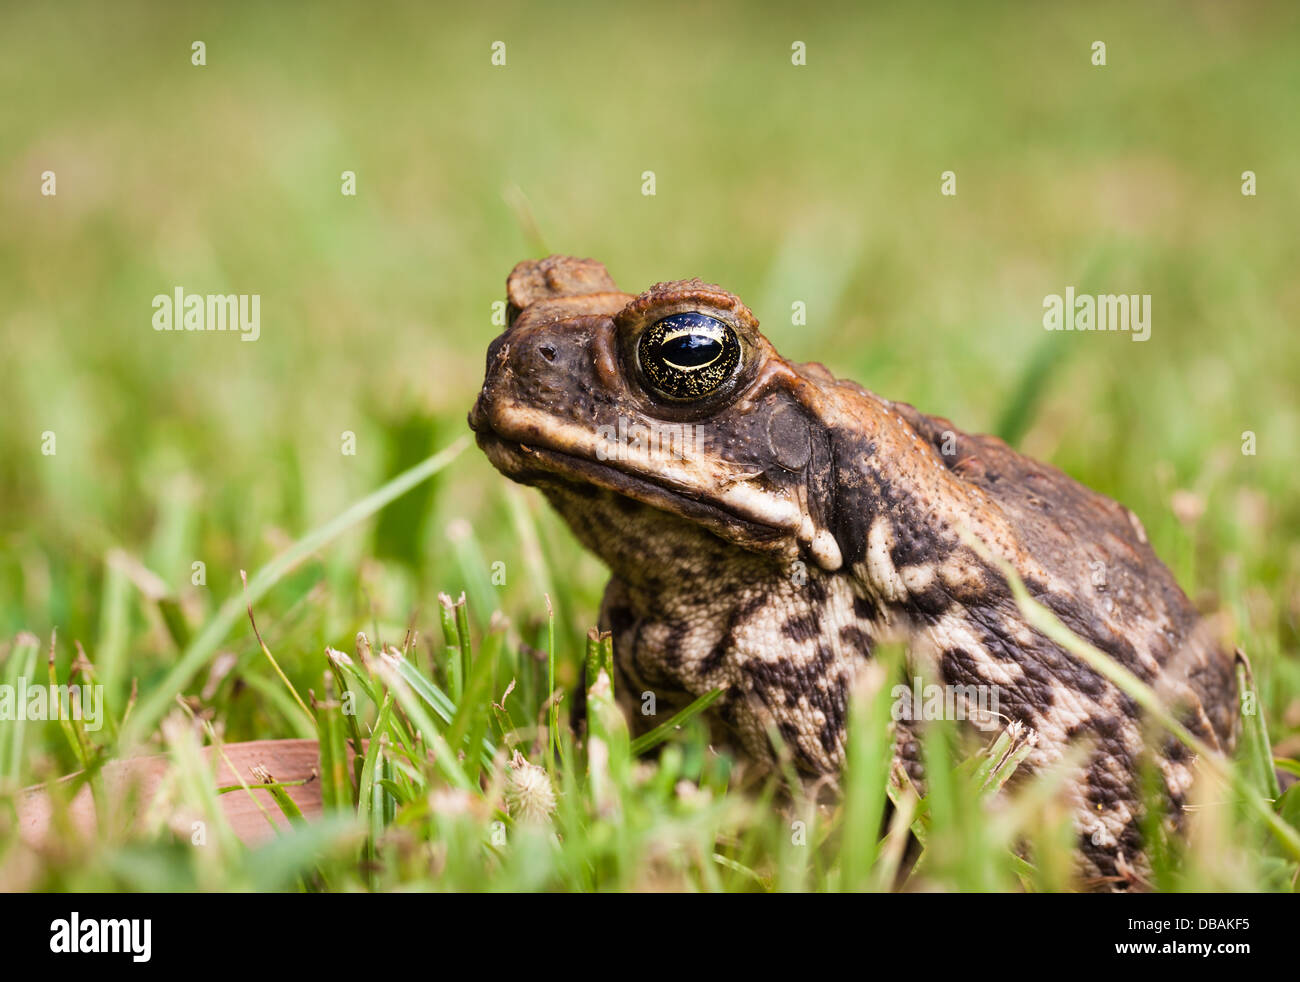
x: 817, y: 183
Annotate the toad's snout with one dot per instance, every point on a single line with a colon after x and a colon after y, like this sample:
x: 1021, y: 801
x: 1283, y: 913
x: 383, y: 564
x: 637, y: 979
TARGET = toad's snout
x: 525, y: 365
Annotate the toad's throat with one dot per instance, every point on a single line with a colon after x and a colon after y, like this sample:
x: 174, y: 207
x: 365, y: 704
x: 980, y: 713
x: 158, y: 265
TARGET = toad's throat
x: 534, y: 448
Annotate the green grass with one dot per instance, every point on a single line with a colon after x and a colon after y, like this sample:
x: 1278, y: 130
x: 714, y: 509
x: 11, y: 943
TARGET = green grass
x: 451, y: 789
x: 817, y: 184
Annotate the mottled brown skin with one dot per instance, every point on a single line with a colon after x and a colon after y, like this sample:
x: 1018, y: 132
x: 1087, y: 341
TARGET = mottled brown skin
x: 819, y: 520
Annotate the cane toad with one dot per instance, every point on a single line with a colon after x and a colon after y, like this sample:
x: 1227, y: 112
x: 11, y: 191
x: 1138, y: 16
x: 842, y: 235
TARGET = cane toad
x: 767, y: 524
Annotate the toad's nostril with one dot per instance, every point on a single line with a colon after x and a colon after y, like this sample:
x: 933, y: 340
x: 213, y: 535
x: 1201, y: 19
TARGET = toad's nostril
x: 548, y: 352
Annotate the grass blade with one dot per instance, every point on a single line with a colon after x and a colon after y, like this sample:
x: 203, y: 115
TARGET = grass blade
x: 151, y: 707
x: 647, y: 741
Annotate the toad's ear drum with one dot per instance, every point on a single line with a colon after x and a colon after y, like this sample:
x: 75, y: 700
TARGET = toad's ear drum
x: 789, y: 438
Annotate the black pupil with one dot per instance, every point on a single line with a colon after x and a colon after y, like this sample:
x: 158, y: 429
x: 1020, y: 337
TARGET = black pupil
x: 692, y: 350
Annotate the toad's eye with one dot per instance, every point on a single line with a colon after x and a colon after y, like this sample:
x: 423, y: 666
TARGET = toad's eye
x: 688, y: 356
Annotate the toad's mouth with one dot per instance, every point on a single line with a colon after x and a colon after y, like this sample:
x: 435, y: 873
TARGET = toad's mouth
x: 735, y: 502
x: 539, y: 465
